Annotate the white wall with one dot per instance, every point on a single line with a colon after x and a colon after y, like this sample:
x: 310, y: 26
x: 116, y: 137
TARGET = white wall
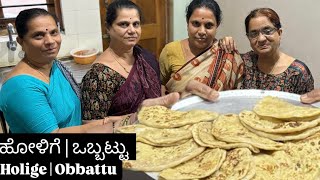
x: 82, y: 25
x: 179, y: 19
x: 300, y: 20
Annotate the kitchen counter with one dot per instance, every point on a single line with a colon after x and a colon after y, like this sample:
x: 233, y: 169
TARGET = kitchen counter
x: 78, y: 70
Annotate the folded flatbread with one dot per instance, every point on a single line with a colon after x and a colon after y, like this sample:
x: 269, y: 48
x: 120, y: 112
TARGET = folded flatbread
x: 252, y: 120
x: 283, y: 165
x: 199, y: 167
x: 238, y: 165
x: 202, y: 135
x: 150, y: 158
x: 285, y: 137
x: 162, y: 117
x: 158, y: 137
x: 229, y: 129
x: 274, y: 107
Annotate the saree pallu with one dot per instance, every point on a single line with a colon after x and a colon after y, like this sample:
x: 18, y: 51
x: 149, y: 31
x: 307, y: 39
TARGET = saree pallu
x: 213, y: 67
x: 142, y: 83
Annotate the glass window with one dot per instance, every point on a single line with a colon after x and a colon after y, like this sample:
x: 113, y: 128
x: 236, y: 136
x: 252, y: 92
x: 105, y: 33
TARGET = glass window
x: 9, y: 9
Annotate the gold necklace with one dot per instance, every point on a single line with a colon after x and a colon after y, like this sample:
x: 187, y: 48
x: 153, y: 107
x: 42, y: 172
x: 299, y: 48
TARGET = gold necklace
x: 37, y: 69
x: 115, y: 58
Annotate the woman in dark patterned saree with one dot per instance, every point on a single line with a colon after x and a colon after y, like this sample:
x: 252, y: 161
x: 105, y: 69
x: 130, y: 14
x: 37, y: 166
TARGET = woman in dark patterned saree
x: 124, y: 74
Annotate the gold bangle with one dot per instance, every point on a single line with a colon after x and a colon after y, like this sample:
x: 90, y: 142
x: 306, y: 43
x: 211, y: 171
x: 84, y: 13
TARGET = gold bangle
x: 125, y: 121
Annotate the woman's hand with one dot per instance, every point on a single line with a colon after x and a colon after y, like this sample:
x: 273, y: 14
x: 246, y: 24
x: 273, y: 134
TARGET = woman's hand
x: 102, y: 127
x: 193, y: 87
x: 311, y: 97
x: 166, y: 100
x: 106, y: 125
x: 228, y: 44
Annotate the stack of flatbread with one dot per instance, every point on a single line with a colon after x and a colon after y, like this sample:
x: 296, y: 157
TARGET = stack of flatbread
x: 257, y: 144
x: 279, y: 120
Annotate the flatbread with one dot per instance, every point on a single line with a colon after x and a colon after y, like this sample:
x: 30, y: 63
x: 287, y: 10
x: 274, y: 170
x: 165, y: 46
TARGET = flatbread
x: 274, y: 107
x: 312, y: 141
x: 309, y: 148
x: 175, y: 143
x: 150, y: 158
x: 202, y: 135
x: 158, y: 137
x: 199, y: 167
x: 162, y: 117
x: 229, y: 129
x: 238, y: 165
x: 253, y: 121
x: 296, y: 166
x: 286, y: 164
x: 266, y: 167
x: 287, y: 136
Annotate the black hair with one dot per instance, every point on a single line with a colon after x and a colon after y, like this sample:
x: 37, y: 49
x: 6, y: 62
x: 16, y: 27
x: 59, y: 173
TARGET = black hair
x: 267, y: 12
x: 27, y: 15
x: 112, y: 10
x: 210, y: 4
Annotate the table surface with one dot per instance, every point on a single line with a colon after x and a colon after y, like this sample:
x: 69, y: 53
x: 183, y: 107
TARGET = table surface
x: 133, y: 175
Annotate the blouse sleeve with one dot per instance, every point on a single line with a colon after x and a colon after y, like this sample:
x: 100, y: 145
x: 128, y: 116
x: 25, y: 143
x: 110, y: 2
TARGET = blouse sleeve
x: 308, y: 81
x: 98, y: 88
x: 240, y: 70
x: 165, y: 72
x: 29, y: 109
x: 302, y: 80
x: 309, y: 84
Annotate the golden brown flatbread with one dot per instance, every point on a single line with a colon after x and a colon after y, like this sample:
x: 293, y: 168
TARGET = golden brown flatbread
x: 199, y: 167
x: 313, y: 142
x: 252, y: 120
x: 162, y: 117
x: 287, y: 136
x: 158, y: 137
x: 273, y: 107
x: 266, y: 167
x: 229, y: 129
x: 308, y: 148
x: 238, y: 165
x: 202, y: 135
x: 150, y: 158
x: 285, y: 165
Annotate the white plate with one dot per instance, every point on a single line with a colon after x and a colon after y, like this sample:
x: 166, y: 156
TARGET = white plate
x: 233, y: 101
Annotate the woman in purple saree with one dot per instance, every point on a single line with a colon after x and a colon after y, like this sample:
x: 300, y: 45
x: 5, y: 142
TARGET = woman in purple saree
x: 124, y: 74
